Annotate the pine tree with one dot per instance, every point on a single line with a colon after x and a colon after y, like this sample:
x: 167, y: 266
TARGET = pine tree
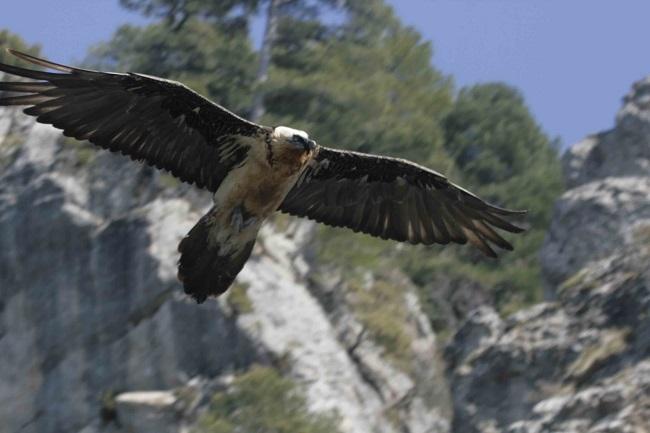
x: 262, y: 401
x: 175, y: 13
x: 365, y: 85
x: 502, y: 152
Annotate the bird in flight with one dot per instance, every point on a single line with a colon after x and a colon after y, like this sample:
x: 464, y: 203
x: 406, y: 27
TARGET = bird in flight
x: 252, y: 170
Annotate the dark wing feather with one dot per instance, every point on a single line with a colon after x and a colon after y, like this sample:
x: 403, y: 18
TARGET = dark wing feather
x: 150, y: 119
x: 395, y: 199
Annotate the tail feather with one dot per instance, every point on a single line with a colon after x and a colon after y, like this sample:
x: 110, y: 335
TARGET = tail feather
x: 203, y: 268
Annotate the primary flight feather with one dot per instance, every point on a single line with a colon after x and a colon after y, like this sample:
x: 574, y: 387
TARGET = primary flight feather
x: 252, y: 170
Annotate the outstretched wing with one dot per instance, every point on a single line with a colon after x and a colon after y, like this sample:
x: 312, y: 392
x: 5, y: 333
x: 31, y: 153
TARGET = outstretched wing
x: 150, y: 119
x: 394, y: 199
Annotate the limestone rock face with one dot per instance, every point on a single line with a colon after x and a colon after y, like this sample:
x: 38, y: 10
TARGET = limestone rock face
x: 608, y: 196
x: 621, y: 152
x: 88, y: 304
x: 578, y: 363
x: 593, y: 220
x: 91, y: 314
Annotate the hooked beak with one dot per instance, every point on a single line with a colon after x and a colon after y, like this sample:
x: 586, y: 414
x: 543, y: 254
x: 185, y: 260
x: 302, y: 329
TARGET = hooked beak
x: 310, y: 145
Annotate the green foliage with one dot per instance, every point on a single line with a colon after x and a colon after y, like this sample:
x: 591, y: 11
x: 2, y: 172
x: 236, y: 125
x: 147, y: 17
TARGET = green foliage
x: 381, y: 308
x: 577, y: 280
x: 502, y: 155
x: 84, y: 152
x: 262, y: 401
x: 612, y: 342
x: 238, y: 299
x: 11, y: 141
x: 350, y: 251
x: 502, y: 152
x: 108, y: 411
x: 369, y: 94
x: 642, y: 237
x: 8, y: 146
x: 169, y: 181
x: 177, y: 12
x: 10, y: 40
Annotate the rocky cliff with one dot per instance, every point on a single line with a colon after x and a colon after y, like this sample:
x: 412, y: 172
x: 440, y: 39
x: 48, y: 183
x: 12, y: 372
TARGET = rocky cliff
x: 580, y: 362
x: 97, y: 336
x: 607, y: 203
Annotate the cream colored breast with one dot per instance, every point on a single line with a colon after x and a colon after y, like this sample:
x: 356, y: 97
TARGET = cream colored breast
x: 258, y: 186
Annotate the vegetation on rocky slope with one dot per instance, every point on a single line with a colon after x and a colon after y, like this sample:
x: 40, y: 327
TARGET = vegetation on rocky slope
x: 380, y: 306
x: 262, y: 401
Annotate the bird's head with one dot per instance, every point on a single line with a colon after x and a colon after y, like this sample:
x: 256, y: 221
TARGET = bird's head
x: 292, y: 139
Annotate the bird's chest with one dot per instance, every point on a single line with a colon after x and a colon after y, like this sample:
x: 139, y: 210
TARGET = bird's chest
x: 258, y: 187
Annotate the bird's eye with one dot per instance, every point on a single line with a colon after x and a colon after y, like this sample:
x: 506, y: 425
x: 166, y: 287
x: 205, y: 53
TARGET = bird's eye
x: 299, y: 139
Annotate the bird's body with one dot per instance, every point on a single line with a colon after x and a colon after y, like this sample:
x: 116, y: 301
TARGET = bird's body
x: 260, y: 185
x: 252, y: 170
x: 214, y: 253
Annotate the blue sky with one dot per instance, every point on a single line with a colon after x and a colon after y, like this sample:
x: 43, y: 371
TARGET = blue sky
x: 572, y: 59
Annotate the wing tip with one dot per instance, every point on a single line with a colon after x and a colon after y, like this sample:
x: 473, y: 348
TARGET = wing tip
x: 508, y: 227
x: 39, y: 61
x: 19, y: 54
x: 516, y: 229
x: 505, y: 211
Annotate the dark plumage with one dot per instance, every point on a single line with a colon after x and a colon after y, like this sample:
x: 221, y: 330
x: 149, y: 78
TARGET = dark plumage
x: 204, y: 269
x: 395, y: 199
x: 157, y: 121
x: 252, y: 170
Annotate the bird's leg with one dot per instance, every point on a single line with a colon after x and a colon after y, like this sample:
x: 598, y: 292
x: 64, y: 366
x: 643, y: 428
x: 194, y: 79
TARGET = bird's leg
x: 240, y: 218
x: 237, y: 219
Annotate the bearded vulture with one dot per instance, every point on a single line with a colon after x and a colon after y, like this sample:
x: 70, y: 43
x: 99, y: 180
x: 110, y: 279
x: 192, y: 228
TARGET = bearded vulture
x: 252, y: 170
